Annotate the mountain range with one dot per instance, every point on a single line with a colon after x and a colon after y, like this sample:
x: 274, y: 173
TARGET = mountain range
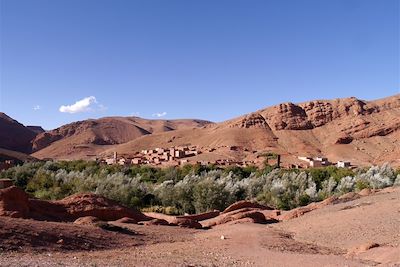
x: 363, y: 132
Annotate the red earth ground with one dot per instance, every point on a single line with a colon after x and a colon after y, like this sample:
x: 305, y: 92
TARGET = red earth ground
x: 356, y: 230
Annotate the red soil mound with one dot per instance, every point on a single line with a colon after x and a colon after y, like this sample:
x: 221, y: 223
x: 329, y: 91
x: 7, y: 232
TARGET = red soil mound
x: 255, y: 215
x: 187, y: 223
x: 127, y: 220
x: 14, y: 202
x: 245, y: 204
x: 297, y: 212
x: 183, y: 221
x: 80, y: 205
x: 201, y: 216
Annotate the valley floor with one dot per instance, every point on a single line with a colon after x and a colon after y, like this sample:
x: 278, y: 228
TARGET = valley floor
x: 362, y: 232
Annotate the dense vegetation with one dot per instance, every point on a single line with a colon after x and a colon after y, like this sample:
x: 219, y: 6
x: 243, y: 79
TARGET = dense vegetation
x: 195, y: 188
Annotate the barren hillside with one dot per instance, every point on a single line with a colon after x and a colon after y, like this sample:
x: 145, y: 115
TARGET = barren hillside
x: 349, y: 129
x: 363, y: 132
x: 14, y: 135
x: 89, y: 137
x: 6, y: 154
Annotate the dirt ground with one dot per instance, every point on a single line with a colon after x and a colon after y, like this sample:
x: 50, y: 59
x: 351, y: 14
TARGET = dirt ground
x: 337, y: 235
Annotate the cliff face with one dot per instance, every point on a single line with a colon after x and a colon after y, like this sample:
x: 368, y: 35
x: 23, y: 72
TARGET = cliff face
x: 354, y: 118
x: 36, y: 129
x: 287, y: 116
x: 14, y: 135
x: 313, y: 114
x: 253, y: 120
x: 305, y: 116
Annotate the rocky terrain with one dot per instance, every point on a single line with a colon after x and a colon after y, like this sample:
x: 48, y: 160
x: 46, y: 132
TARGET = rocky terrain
x: 88, y: 230
x: 15, y: 203
x: 6, y: 154
x: 363, y: 132
x: 15, y: 136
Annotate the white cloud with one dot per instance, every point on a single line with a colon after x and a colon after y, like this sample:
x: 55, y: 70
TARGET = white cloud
x: 162, y: 114
x: 37, y: 107
x: 136, y: 114
x: 82, y: 105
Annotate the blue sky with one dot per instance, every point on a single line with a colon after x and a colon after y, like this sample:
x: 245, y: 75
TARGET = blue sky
x: 191, y: 59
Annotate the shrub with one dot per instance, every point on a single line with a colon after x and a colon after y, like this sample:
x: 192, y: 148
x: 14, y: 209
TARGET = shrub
x: 377, y: 177
x: 346, y: 185
x: 195, y: 188
x: 208, y: 195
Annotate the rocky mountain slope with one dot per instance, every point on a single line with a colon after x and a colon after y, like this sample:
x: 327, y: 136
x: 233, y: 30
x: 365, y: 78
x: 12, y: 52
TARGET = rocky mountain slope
x: 364, y: 132
x: 14, y: 135
x: 6, y: 154
x: 78, y: 139
x: 36, y: 129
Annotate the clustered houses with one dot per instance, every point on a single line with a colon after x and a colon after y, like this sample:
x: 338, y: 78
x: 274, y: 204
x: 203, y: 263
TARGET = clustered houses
x: 160, y: 156
x: 226, y: 162
x: 180, y: 155
x: 172, y: 156
x: 323, y: 162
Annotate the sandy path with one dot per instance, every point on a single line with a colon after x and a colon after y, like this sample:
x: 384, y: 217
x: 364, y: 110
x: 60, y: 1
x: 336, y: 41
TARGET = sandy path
x: 245, y: 245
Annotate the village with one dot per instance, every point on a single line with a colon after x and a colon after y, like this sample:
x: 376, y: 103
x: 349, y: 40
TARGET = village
x: 186, y: 154
x: 322, y: 162
x: 181, y: 155
x: 172, y: 156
